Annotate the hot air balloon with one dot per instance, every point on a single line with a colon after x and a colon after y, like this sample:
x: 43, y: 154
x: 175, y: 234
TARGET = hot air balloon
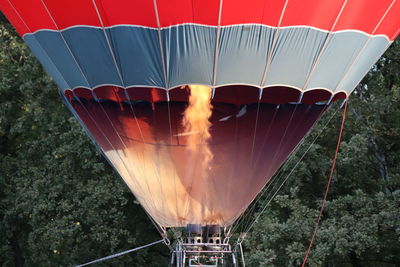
x: 197, y: 103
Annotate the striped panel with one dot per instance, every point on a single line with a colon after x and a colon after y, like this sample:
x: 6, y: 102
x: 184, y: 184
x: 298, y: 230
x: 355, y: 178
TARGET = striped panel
x: 301, y: 57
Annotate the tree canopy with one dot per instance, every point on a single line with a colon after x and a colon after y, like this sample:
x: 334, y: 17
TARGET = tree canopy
x: 62, y: 204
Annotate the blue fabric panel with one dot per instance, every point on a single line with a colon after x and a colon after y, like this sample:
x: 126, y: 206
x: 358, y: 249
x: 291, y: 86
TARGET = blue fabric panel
x: 243, y: 52
x: 137, y: 51
x: 45, y: 60
x: 93, y: 54
x: 56, y: 56
x: 189, y: 54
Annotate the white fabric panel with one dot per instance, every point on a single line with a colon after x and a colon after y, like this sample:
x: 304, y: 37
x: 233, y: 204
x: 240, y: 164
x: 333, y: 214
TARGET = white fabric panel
x: 243, y: 53
x: 295, y: 51
x: 336, y: 59
x: 189, y: 52
x: 375, y: 47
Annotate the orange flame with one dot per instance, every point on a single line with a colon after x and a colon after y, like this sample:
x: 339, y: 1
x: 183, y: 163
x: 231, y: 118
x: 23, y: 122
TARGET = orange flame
x: 197, y: 125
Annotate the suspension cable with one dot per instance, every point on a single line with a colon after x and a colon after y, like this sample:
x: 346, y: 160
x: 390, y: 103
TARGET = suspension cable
x: 268, y: 192
x: 287, y: 177
x: 327, y: 186
x: 121, y: 253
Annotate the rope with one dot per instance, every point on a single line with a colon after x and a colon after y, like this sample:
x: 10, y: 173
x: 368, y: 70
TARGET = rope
x: 242, y: 254
x: 328, y: 185
x: 121, y: 253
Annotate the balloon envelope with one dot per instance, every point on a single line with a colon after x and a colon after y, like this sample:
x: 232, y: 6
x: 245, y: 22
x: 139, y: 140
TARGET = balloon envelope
x: 272, y: 67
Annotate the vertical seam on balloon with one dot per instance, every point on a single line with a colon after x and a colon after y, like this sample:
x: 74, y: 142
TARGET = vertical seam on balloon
x: 278, y: 150
x: 269, y: 59
x: 363, y: 48
x: 166, y: 82
x: 126, y: 148
x: 99, y: 129
x: 120, y: 138
x: 323, y: 49
x: 230, y: 181
x: 268, y: 63
x: 242, y: 216
x: 123, y: 84
x: 66, y: 44
x: 108, y: 44
x: 167, y: 92
x: 26, y: 31
x: 141, y: 135
x: 216, y: 53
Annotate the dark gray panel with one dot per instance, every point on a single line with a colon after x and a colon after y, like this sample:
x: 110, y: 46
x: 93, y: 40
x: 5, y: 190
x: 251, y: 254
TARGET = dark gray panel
x: 59, y: 55
x: 45, y: 60
x: 137, y: 52
x: 189, y: 54
x: 93, y: 55
x: 242, y: 54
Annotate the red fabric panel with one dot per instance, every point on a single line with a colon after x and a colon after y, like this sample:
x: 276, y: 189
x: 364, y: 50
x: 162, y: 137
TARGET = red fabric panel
x: 314, y: 96
x: 138, y: 12
x: 118, y: 95
x: 391, y: 23
x: 83, y: 93
x: 179, y: 94
x: 266, y: 12
x: 34, y: 14
x: 236, y: 94
x: 72, y: 12
x: 113, y: 93
x: 152, y: 95
x: 318, y: 13
x: 205, y: 12
x: 280, y: 95
x: 340, y: 95
x: 13, y: 17
x: 68, y: 93
x: 173, y: 12
x: 363, y: 15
